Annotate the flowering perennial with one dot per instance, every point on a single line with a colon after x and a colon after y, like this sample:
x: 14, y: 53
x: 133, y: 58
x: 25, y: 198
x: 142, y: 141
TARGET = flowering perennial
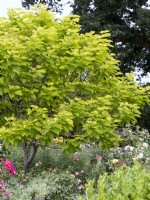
x: 7, y: 166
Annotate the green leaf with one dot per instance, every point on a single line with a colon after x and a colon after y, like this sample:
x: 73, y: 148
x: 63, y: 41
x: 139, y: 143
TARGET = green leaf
x: 18, y: 92
x: 16, y: 70
x: 1, y: 91
x: 37, y: 137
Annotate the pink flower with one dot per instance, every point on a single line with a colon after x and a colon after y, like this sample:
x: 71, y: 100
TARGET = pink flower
x: 8, y: 165
x: 98, y: 158
x: 6, y: 194
x: 2, y: 183
x: 76, y: 173
x: 76, y: 156
x: 20, y: 184
x: 81, y: 187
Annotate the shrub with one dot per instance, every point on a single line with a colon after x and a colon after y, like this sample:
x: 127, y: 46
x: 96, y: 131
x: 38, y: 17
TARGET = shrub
x: 92, y: 160
x: 130, y: 183
x: 48, y: 186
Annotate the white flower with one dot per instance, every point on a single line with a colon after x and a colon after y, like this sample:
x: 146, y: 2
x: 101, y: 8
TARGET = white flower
x: 118, y: 148
x: 79, y: 181
x: 111, y: 149
x: 131, y: 148
x: 145, y: 144
x: 140, y: 155
x: 127, y: 148
x: 114, y: 161
x: 72, y: 175
x: 141, y: 139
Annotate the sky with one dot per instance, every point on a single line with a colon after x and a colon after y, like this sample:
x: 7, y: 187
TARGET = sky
x: 5, y: 4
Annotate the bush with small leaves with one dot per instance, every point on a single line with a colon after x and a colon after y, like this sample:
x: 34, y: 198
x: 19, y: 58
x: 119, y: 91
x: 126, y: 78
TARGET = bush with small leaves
x: 48, y: 186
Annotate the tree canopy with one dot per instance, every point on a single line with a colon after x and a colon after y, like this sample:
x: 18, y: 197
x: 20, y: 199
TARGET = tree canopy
x: 57, y: 84
x: 129, y: 24
x: 55, y: 5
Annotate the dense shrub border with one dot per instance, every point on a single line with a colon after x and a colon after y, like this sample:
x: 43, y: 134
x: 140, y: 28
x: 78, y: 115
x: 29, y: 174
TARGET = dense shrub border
x: 129, y: 183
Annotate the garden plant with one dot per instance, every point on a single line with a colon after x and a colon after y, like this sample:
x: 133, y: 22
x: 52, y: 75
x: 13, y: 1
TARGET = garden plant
x: 69, y: 112
x: 57, y: 85
x: 58, y: 175
x: 130, y: 183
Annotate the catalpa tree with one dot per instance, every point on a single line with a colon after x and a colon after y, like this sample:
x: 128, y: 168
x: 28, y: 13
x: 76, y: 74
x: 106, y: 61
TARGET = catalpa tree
x: 57, y: 84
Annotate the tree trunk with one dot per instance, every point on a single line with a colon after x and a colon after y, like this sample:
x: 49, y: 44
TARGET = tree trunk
x: 29, y: 152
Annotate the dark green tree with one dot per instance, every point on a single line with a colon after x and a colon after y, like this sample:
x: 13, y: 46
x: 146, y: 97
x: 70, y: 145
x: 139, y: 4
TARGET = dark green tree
x: 144, y: 120
x: 55, y: 5
x: 129, y: 24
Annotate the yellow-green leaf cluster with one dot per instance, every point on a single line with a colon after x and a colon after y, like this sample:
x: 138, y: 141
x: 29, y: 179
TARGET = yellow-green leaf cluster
x: 56, y: 82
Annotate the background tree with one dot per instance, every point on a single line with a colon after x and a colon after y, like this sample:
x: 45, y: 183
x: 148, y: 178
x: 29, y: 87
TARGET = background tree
x: 129, y: 24
x: 55, y: 5
x: 59, y: 85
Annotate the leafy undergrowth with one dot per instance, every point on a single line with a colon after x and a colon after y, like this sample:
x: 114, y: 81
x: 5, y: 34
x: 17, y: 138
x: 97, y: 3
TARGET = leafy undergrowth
x: 56, y: 175
x: 129, y: 183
